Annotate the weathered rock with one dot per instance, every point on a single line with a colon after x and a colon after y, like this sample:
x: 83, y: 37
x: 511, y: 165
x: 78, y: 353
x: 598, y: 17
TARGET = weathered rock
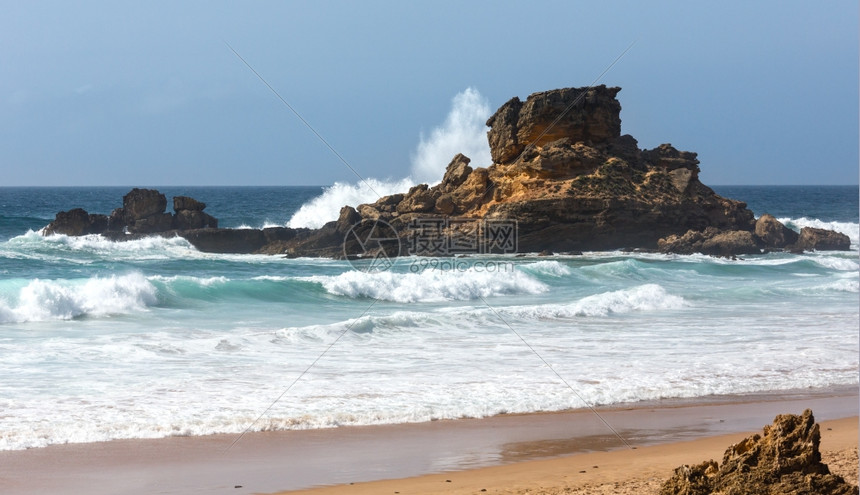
x: 77, y: 222
x: 625, y: 147
x: 159, y: 222
x: 456, y: 172
x: 772, y: 233
x: 181, y: 203
x: 711, y: 241
x: 347, y: 219
x: 418, y: 200
x: 187, y: 219
x: 667, y: 157
x: 561, y: 158
x: 368, y: 212
x: 445, y: 204
x: 116, y: 220
x: 822, y: 240
x: 785, y: 460
x: 273, y: 234
x: 142, y: 203
x: 580, y: 114
x: 241, y: 241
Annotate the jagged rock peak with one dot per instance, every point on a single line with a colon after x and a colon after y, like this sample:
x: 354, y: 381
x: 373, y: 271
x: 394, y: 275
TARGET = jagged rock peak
x: 589, y: 114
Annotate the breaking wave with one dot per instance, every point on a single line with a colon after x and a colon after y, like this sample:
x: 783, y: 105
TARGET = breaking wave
x: 464, y: 131
x: 43, y: 300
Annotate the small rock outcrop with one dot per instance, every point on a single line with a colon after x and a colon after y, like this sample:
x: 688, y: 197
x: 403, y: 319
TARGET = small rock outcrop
x: 773, y: 234
x: 822, y: 240
x: 77, y: 222
x: 189, y: 214
x: 142, y: 213
x: 712, y: 241
x: 785, y: 460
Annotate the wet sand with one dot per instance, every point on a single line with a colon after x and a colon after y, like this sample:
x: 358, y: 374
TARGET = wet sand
x: 641, y: 471
x: 292, y: 460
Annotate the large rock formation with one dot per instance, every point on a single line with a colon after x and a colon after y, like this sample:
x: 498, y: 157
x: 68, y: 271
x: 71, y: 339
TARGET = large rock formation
x: 571, y: 181
x: 785, y: 460
x: 563, y: 174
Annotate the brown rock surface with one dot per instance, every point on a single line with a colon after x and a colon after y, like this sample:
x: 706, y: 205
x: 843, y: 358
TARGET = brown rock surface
x: 822, y: 240
x: 77, y: 222
x: 711, y: 241
x: 580, y: 114
x: 142, y: 203
x: 773, y: 233
x: 185, y: 203
x: 785, y: 460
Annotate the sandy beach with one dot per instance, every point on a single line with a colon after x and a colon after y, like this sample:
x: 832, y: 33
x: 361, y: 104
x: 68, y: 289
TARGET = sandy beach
x: 639, y: 471
x: 532, y: 453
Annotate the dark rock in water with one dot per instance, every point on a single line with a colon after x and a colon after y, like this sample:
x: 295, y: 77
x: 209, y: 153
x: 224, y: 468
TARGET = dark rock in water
x: 785, y: 460
x: 181, y: 203
x: 186, y: 219
x: 142, y: 203
x: 822, y: 240
x: 142, y: 213
x: 116, y: 220
x: 274, y: 234
x: 240, y: 241
x: 772, y: 233
x: 711, y: 241
x: 77, y: 222
x: 160, y: 222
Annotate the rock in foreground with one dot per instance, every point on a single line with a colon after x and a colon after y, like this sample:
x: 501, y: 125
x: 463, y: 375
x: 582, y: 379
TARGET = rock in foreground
x: 785, y: 460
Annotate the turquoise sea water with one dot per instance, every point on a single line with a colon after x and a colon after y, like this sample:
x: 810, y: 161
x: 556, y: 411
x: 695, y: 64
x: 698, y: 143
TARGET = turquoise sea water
x: 151, y: 338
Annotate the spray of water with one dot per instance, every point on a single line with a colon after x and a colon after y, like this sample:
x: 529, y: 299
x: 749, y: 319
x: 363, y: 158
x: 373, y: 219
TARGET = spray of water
x: 464, y: 131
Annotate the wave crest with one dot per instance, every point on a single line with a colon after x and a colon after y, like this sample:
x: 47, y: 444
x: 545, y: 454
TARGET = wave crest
x: 429, y: 285
x: 43, y: 300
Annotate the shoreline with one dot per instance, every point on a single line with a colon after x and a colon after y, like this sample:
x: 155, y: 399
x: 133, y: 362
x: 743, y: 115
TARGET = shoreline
x: 627, y: 472
x: 274, y: 461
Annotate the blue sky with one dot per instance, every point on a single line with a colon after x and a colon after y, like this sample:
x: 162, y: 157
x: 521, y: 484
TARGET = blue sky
x: 147, y: 93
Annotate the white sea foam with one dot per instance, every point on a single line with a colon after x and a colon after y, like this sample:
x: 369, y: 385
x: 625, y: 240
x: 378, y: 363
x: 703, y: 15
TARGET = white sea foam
x: 43, y: 300
x: 550, y: 268
x: 36, y: 246
x: 429, y: 285
x: 264, y: 225
x: 648, y: 297
x: 326, y: 207
x: 464, y: 131
x: 202, y: 281
x: 837, y: 263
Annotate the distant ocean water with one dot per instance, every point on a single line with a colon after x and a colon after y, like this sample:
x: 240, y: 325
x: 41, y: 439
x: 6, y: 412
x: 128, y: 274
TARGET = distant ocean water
x: 151, y: 338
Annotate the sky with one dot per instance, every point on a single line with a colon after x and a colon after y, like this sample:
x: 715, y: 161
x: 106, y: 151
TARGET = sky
x: 148, y: 93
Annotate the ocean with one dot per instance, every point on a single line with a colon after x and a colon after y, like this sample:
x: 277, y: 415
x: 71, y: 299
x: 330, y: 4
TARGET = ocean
x: 151, y: 338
